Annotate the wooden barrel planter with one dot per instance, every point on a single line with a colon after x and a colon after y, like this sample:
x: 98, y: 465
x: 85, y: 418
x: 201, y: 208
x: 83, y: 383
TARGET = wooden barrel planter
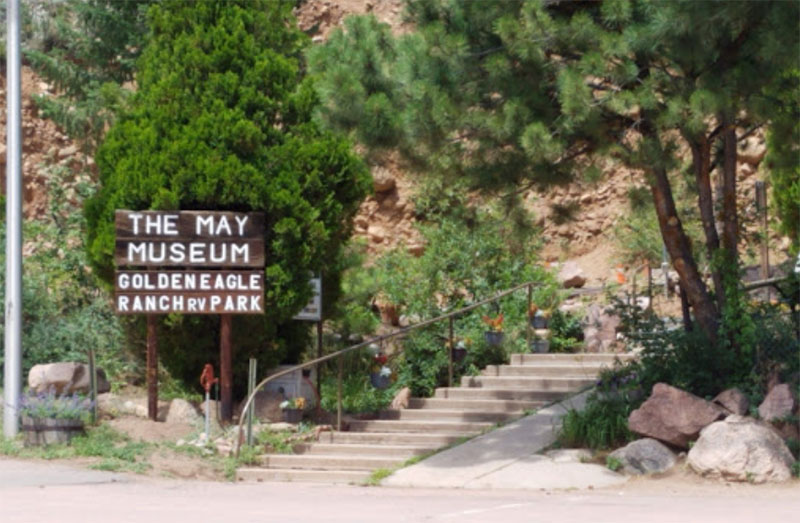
x: 494, y: 338
x: 50, y: 431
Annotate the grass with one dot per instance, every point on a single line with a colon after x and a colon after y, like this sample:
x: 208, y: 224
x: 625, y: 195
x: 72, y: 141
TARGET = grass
x: 117, y: 452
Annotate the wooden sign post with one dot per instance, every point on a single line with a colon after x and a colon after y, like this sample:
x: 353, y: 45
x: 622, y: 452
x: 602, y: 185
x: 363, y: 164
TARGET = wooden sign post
x: 227, y: 247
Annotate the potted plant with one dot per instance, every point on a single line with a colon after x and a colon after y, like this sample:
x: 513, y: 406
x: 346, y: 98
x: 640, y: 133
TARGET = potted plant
x: 292, y: 409
x: 48, y: 419
x: 494, y: 336
x: 381, y: 375
x: 460, y: 350
x: 539, y: 318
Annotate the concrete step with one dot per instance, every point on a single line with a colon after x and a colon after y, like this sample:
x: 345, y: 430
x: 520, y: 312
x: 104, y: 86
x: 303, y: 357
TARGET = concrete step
x: 491, y: 405
x: 563, y: 358
x: 319, y: 476
x: 531, y: 383
x: 512, y: 394
x: 448, y: 415
x: 328, y: 462
x: 391, y: 438
x: 347, y: 449
x: 447, y: 427
x: 563, y: 371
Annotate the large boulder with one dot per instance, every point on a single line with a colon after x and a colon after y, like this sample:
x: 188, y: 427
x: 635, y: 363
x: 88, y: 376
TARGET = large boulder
x: 181, y: 411
x: 65, y: 378
x: 673, y: 416
x: 733, y: 400
x: 571, y: 275
x: 644, y: 456
x: 779, y: 404
x: 741, y: 449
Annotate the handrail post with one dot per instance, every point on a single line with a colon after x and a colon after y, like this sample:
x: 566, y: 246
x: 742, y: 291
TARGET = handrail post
x: 450, y: 355
x: 528, y: 319
x: 339, y: 396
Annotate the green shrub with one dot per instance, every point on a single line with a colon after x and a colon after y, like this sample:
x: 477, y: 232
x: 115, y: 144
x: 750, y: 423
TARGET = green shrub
x: 602, y: 424
x: 358, y: 394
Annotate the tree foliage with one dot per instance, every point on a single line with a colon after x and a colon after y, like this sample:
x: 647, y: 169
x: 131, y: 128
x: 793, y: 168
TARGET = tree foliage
x: 510, y: 94
x: 87, y: 51
x: 222, y: 120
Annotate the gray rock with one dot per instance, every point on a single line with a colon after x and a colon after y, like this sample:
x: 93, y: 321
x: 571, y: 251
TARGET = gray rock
x: 65, y: 378
x: 181, y: 411
x: 733, y: 400
x: 673, y: 416
x: 779, y: 403
x: 741, y: 449
x: 645, y: 456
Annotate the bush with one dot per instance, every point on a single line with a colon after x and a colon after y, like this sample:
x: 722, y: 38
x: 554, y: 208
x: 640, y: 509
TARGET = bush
x: 602, y: 424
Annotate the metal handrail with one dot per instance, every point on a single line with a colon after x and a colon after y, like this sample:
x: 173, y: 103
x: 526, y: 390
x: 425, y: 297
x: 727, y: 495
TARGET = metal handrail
x: 379, y: 339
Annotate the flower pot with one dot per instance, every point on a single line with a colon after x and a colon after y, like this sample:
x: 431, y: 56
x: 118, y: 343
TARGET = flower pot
x: 49, y: 431
x: 493, y: 338
x: 540, y: 346
x: 292, y: 415
x: 459, y: 353
x: 539, y: 321
x: 379, y: 381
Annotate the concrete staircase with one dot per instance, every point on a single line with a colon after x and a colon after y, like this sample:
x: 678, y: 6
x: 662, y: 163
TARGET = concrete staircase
x: 501, y: 393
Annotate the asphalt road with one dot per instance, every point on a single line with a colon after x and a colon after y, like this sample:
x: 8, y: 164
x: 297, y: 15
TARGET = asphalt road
x: 32, y: 492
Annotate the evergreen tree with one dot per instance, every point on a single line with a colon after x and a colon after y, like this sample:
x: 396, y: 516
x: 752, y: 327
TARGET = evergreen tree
x: 87, y: 50
x: 222, y: 119
x: 515, y: 93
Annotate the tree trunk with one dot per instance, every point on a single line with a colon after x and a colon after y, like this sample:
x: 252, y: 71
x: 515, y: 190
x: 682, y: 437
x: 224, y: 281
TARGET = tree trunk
x: 677, y: 244
x: 701, y: 164
x: 730, y: 231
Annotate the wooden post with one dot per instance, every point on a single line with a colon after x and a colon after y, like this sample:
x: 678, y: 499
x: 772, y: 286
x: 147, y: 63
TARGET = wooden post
x: 152, y: 368
x: 761, y: 206
x: 319, y: 355
x: 528, y: 319
x: 251, y: 384
x: 450, y: 355
x: 93, y: 385
x: 225, y: 370
x: 339, y: 394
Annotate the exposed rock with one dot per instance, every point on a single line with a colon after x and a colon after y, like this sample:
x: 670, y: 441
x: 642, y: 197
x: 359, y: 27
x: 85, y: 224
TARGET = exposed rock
x: 779, y: 403
x: 65, y: 378
x: 181, y: 411
x: 733, y: 400
x: 66, y: 152
x: 752, y: 151
x: 673, y: 416
x: 600, y: 332
x: 401, y: 399
x: 645, y: 456
x: 571, y: 276
x: 382, y: 180
x: 741, y: 449
x: 376, y: 233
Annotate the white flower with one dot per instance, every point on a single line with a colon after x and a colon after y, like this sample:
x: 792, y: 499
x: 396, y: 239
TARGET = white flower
x: 284, y: 404
x: 386, y: 371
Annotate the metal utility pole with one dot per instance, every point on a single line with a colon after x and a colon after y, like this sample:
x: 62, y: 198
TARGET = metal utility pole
x: 13, y: 306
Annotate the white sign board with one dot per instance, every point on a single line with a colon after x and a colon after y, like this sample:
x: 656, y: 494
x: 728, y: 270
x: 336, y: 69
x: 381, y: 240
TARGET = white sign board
x: 312, y: 311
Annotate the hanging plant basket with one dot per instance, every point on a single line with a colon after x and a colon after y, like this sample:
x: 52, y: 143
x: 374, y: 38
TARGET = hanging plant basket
x: 539, y: 320
x: 50, y: 431
x: 494, y: 338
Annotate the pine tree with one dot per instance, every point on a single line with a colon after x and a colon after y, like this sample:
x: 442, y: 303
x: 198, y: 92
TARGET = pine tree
x: 222, y: 120
x: 514, y: 94
x: 87, y: 50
